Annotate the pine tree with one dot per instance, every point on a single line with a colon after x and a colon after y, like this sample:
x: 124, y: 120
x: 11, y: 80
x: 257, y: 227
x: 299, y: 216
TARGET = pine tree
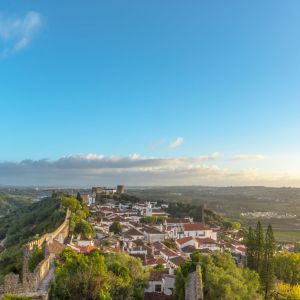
x: 258, y: 248
x: 267, y: 272
x: 250, y: 243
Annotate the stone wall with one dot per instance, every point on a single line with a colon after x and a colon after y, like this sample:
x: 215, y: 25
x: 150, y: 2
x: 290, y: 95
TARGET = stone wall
x: 30, y: 246
x: 194, y: 285
x: 30, y: 281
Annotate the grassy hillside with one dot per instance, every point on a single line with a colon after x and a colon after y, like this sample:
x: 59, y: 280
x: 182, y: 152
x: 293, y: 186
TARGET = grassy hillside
x: 23, y: 225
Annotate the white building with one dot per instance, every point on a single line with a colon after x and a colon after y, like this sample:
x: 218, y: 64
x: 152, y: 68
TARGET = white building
x: 199, y: 230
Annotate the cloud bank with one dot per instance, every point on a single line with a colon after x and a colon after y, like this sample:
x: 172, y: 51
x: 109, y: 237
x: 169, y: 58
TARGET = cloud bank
x: 90, y: 169
x: 16, y: 33
x: 248, y: 157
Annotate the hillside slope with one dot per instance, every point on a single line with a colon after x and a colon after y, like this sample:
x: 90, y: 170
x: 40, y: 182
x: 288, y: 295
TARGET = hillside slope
x: 23, y: 225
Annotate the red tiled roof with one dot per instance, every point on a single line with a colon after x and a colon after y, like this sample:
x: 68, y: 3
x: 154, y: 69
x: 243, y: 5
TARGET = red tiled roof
x: 87, y: 249
x: 195, y: 227
x: 178, y: 260
x: 205, y: 241
x: 188, y: 249
x: 184, y: 240
x: 156, y: 275
x: 155, y: 261
x: 168, y: 252
x: 158, y: 245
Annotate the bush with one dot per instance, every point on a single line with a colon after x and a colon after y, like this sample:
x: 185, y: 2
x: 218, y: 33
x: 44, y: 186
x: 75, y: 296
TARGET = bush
x: 35, y: 259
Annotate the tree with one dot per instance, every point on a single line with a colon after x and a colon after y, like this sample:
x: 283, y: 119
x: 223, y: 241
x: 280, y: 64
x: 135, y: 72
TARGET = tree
x: 36, y: 257
x: 267, y: 271
x: 287, y: 267
x: 80, y: 277
x: 258, y: 248
x: 129, y: 278
x: 159, y: 267
x: 250, y: 244
x: 223, y: 279
x: 290, y: 292
x: 85, y: 229
x: 115, y: 227
x: 179, y: 285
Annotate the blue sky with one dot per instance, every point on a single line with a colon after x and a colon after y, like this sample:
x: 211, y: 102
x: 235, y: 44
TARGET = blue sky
x: 105, y: 80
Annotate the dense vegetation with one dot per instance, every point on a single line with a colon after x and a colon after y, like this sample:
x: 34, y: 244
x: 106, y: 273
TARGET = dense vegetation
x: 80, y: 212
x: 36, y: 258
x: 23, y: 225
x: 115, y: 227
x: 98, y: 277
x: 9, y: 202
x: 222, y: 278
x: 287, y: 267
x: 260, y: 256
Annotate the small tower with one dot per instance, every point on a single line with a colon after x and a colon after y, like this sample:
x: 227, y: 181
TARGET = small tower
x: 149, y: 209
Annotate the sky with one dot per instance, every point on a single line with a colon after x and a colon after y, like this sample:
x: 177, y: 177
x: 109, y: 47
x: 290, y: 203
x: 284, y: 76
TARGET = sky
x: 150, y: 92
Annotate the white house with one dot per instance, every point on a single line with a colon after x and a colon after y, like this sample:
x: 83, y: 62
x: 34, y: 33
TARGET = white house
x: 199, y: 230
x: 153, y: 235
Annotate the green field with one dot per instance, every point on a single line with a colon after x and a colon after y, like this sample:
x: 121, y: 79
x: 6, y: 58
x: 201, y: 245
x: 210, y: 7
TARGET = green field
x: 287, y: 235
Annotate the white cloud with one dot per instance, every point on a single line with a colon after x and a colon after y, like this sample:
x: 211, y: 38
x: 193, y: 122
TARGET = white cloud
x: 176, y: 143
x: 90, y: 169
x: 248, y: 157
x: 17, y: 32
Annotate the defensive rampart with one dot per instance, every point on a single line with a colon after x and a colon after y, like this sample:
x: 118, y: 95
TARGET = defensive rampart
x: 30, y: 281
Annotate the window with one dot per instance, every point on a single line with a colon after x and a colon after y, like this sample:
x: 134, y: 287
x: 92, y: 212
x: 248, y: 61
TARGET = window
x: 158, y: 288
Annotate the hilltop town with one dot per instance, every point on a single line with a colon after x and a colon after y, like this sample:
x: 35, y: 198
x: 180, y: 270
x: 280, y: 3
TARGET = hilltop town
x: 146, y: 230
x: 139, y: 248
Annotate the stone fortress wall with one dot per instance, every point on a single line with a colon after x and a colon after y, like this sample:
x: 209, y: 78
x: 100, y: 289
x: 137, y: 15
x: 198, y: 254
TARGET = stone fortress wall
x: 194, y: 286
x: 29, y: 282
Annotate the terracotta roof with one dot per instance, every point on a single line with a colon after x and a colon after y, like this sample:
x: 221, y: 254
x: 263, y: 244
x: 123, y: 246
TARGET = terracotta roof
x: 155, y: 261
x: 188, y: 249
x: 55, y: 247
x: 178, y: 260
x: 205, y: 241
x: 152, y: 230
x: 158, y: 245
x: 156, y: 275
x: 195, y: 226
x: 184, y: 240
x: 168, y: 252
x: 133, y: 232
x: 87, y: 249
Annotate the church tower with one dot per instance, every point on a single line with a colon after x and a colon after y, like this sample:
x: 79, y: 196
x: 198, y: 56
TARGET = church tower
x: 149, y: 209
